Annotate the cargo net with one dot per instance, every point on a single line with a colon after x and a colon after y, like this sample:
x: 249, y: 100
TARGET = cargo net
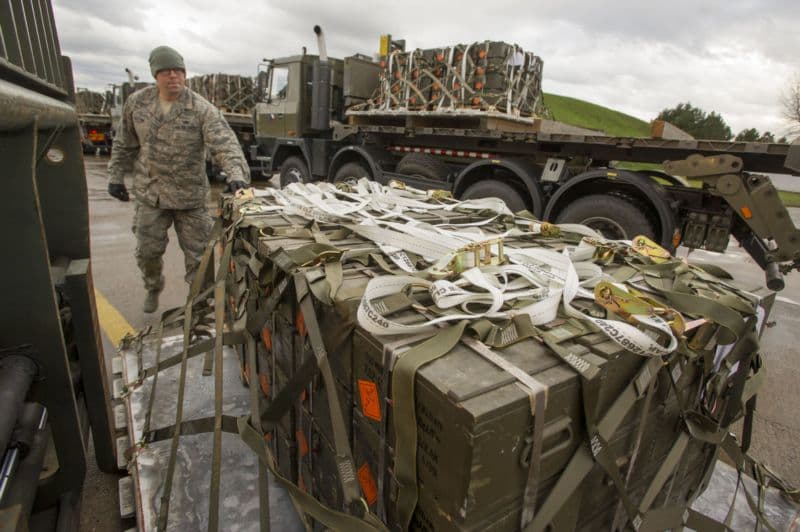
x: 415, y: 362
x: 229, y: 92
x: 489, y: 76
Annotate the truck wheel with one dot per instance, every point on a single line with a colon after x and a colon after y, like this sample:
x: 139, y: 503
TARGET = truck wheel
x: 352, y: 170
x: 294, y: 170
x: 491, y: 188
x: 616, y: 216
x: 424, y: 165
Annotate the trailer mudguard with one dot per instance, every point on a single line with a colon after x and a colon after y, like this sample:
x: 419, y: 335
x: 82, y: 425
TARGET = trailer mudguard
x: 631, y: 183
x: 369, y: 156
x: 524, y: 172
x: 286, y: 147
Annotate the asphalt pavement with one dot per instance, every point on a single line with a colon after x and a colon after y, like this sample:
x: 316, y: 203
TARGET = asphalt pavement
x: 120, y: 295
x: 790, y: 183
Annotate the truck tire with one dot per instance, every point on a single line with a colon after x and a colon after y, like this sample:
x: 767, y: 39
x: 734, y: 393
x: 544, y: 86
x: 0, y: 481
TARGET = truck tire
x: 423, y: 165
x: 491, y: 188
x: 294, y: 170
x: 351, y: 170
x: 616, y: 216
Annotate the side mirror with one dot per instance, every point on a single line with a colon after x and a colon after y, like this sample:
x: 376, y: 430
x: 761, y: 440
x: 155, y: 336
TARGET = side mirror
x: 262, y: 86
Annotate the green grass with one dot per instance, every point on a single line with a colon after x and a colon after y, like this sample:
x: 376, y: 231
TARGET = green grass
x: 581, y: 113
x: 790, y: 199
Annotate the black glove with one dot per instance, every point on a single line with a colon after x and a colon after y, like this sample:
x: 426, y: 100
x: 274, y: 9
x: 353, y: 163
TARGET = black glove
x: 235, y: 185
x: 119, y: 191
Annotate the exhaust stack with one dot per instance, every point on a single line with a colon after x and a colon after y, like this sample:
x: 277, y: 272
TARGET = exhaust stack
x: 321, y: 87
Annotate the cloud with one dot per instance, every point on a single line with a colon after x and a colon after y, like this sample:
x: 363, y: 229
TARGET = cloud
x: 731, y: 57
x: 117, y: 13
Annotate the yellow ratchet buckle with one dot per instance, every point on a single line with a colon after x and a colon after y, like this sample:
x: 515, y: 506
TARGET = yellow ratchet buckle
x: 544, y: 229
x: 626, y: 304
x: 646, y: 247
x: 481, y: 255
x: 439, y: 194
x: 604, y: 251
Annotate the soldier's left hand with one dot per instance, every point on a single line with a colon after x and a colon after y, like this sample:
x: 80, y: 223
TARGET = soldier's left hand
x: 236, y: 185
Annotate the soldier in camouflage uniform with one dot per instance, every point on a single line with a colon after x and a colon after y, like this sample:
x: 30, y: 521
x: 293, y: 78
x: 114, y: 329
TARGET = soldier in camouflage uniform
x: 162, y: 141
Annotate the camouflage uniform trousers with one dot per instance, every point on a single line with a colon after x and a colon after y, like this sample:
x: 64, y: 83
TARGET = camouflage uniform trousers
x: 150, y: 224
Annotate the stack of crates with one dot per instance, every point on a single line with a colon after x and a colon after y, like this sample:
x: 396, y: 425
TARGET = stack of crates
x: 487, y: 76
x: 231, y: 93
x: 474, y: 424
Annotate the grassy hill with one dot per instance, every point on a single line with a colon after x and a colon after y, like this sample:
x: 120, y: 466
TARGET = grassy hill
x: 584, y: 114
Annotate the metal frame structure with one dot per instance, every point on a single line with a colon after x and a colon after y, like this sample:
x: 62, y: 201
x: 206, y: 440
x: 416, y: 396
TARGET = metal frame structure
x: 45, y: 273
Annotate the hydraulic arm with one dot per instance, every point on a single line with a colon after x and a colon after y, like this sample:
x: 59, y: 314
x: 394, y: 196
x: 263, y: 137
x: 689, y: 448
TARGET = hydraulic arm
x: 768, y: 233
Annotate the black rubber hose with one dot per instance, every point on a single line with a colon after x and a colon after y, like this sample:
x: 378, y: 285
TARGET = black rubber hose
x: 25, y: 481
x: 16, y: 375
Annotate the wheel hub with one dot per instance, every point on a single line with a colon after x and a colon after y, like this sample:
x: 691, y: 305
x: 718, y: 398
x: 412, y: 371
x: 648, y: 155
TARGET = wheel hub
x: 294, y: 176
x: 607, y: 227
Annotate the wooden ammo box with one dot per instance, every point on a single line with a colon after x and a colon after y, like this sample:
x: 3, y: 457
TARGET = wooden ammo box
x: 475, y: 430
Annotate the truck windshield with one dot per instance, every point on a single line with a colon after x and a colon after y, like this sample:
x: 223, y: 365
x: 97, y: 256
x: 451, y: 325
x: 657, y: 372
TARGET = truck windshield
x: 280, y: 83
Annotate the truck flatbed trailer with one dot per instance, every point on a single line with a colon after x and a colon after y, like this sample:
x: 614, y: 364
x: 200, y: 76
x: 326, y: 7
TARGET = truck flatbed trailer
x: 500, y: 135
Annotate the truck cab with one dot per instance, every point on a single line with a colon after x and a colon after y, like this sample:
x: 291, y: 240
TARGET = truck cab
x: 285, y: 128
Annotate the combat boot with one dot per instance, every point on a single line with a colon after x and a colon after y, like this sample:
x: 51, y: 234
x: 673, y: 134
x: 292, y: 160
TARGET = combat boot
x: 151, y: 301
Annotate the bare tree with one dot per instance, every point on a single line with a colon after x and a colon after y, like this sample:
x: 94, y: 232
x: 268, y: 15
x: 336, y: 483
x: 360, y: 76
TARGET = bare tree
x: 791, y: 104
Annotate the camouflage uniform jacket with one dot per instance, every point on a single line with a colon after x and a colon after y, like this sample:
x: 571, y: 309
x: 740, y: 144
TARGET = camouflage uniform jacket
x: 166, y: 154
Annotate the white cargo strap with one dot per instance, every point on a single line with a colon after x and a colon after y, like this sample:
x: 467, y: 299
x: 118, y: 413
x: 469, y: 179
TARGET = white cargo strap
x: 426, y: 246
x: 545, y: 276
x: 326, y: 202
x: 537, y: 273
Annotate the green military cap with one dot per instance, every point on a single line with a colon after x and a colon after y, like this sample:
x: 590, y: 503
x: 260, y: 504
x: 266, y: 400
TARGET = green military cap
x: 164, y: 57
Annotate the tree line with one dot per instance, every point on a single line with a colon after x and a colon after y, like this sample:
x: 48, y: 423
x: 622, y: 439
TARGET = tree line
x: 702, y: 125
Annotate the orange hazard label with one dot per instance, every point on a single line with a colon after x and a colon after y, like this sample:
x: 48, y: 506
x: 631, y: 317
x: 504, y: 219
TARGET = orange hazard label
x: 264, y: 384
x: 266, y: 338
x: 302, y: 443
x: 370, y: 402
x: 367, y: 482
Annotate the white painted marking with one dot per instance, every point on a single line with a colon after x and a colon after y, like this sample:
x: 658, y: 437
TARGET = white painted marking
x: 122, y: 446
x: 127, y: 501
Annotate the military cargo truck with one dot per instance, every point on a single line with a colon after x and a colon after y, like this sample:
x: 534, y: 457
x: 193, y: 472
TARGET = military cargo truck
x: 326, y: 118
x: 94, y: 117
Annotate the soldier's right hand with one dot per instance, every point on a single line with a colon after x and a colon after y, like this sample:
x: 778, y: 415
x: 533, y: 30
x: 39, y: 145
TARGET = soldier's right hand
x: 119, y: 191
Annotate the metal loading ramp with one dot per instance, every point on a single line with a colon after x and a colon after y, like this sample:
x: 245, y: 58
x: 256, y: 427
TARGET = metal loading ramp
x: 189, y: 506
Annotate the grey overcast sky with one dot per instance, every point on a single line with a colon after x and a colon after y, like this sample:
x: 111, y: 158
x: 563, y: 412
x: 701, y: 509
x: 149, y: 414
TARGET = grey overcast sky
x: 735, y: 57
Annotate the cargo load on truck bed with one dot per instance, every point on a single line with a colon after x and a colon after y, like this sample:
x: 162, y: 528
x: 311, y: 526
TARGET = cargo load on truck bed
x: 231, y: 93
x: 490, y: 76
x: 90, y: 102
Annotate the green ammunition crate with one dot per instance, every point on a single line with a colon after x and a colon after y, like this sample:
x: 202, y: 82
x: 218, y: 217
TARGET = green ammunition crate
x: 474, y: 422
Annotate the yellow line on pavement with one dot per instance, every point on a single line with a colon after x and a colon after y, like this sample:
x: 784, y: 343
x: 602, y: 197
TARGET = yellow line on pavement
x: 112, y: 322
